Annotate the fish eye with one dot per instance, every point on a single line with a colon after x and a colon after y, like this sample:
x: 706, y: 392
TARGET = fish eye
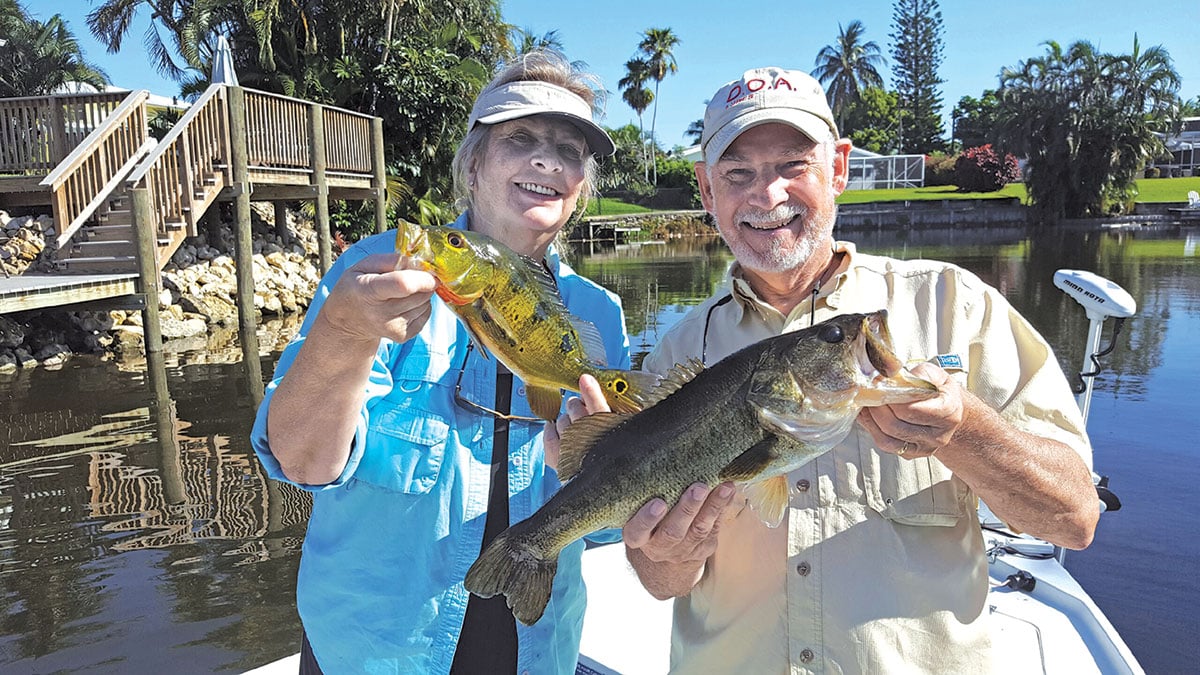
x: 831, y: 333
x: 455, y: 240
x: 620, y: 386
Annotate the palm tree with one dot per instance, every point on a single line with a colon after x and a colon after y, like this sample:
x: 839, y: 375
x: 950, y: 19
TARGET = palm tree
x: 524, y: 40
x: 635, y: 93
x: 40, y: 58
x: 1087, y: 122
x: 847, y: 67
x: 657, y: 44
x: 695, y: 130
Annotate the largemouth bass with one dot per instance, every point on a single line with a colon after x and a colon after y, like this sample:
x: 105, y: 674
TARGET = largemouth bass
x: 511, y: 307
x: 750, y: 419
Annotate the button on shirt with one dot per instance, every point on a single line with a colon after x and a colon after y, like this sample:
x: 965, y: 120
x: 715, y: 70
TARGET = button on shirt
x: 879, y: 566
x: 390, y: 541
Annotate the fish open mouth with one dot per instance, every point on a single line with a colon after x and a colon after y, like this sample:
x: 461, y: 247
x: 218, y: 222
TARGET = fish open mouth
x: 411, y: 240
x: 878, y: 361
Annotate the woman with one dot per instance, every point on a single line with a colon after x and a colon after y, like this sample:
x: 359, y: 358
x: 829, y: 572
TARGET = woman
x: 407, y: 437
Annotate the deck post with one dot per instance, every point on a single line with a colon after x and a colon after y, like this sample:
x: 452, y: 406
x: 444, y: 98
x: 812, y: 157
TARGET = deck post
x: 316, y: 128
x: 243, y: 245
x: 281, y: 228
x: 149, y: 283
x: 379, y: 175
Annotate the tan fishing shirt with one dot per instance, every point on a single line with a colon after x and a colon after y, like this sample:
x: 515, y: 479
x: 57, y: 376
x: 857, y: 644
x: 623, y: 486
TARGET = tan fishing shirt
x: 879, y: 566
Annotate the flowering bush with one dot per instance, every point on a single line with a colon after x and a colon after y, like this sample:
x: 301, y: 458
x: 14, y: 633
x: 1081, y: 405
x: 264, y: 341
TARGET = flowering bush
x: 982, y: 169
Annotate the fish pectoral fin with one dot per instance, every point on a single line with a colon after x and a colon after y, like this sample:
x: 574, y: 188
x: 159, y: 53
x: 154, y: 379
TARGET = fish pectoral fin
x: 544, y: 401
x: 750, y: 464
x: 580, y: 438
x: 769, y: 499
x: 589, y: 337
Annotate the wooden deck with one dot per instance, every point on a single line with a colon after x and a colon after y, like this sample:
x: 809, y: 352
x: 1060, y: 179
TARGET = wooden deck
x: 123, y: 203
x: 38, y: 291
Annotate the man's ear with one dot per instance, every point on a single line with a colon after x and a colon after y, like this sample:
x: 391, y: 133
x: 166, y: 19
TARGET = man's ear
x: 706, y: 197
x: 841, y: 164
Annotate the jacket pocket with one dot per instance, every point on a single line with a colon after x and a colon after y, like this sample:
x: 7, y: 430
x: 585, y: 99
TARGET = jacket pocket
x: 918, y: 491
x: 406, y: 447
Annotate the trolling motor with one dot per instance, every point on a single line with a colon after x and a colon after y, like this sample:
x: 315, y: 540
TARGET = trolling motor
x: 1101, y: 299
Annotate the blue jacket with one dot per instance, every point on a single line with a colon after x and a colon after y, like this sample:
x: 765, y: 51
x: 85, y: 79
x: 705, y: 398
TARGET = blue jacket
x: 389, y: 542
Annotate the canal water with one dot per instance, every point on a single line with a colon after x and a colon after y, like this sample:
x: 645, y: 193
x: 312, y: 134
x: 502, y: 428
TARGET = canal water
x: 138, y: 533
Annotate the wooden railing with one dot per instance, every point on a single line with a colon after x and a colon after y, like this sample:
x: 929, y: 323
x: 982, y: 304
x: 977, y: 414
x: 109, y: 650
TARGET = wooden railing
x: 277, y: 131
x: 345, y: 149
x: 85, y: 178
x: 36, y: 133
x: 190, y: 165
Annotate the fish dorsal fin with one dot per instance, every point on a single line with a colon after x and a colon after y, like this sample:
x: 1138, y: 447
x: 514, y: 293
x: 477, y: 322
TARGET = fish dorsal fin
x: 769, y: 499
x: 580, y: 438
x: 679, y: 375
x: 544, y: 401
x: 589, y: 337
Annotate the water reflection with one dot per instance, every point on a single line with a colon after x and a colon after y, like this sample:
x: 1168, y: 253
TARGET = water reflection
x: 133, y: 511
x: 128, y: 493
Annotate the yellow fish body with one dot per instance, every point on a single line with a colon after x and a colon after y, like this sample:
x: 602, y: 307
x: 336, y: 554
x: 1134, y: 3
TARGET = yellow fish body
x: 510, y: 305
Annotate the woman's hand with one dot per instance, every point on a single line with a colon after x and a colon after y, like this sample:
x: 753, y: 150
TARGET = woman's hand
x: 382, y: 296
x: 590, y: 401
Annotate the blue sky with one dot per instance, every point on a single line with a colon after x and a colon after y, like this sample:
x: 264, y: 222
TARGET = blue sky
x: 720, y: 39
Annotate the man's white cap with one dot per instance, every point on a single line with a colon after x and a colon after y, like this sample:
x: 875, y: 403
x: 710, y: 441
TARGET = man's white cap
x: 524, y: 98
x: 763, y: 96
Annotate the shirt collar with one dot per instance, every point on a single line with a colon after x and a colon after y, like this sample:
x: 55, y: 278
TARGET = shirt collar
x: 748, y: 300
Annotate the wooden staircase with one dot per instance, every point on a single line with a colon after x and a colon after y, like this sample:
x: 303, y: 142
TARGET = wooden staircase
x: 114, y: 191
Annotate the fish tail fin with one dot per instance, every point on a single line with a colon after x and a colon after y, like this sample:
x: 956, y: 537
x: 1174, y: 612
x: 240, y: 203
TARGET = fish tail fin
x: 517, y: 572
x: 628, y: 391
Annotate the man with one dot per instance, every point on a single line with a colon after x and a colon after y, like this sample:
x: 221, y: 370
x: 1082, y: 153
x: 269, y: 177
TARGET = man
x: 879, y: 565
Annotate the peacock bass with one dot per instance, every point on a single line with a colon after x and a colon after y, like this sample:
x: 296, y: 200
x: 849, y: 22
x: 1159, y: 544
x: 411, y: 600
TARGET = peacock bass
x: 510, y: 305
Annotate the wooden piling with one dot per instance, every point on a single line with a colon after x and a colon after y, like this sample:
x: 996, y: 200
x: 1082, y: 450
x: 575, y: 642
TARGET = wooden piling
x: 281, y: 228
x: 379, y: 175
x: 316, y: 124
x: 243, y: 245
x: 149, y: 283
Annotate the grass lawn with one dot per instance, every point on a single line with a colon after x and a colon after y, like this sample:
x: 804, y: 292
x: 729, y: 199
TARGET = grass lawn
x: 927, y: 193
x: 612, y: 207
x: 1158, y: 190
x: 1150, y: 191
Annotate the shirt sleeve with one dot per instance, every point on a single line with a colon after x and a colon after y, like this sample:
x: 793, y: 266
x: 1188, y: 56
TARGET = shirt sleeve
x: 378, y: 385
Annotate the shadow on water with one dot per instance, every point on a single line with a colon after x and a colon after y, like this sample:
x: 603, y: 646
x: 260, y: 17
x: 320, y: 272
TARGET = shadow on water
x: 138, y: 532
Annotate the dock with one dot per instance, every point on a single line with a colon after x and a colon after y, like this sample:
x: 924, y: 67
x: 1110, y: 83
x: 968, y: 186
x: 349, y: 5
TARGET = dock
x: 123, y: 202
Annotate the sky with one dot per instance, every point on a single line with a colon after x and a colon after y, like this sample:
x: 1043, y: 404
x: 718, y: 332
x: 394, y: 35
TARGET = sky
x: 720, y: 39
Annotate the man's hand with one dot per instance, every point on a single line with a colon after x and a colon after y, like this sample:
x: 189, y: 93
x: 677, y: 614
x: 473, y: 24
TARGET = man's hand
x: 668, y: 549
x: 918, y: 429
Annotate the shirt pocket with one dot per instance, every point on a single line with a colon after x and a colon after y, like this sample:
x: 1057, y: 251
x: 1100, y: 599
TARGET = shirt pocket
x: 918, y: 491
x: 406, y: 446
